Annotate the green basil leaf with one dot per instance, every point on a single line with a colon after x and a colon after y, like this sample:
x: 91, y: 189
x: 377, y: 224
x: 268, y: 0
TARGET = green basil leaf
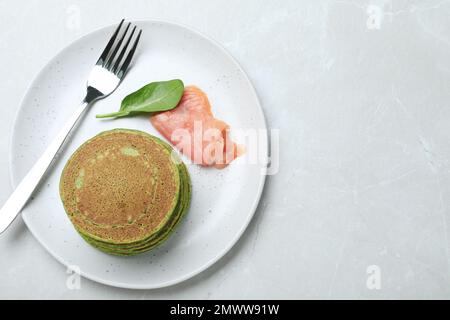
x: 153, y: 97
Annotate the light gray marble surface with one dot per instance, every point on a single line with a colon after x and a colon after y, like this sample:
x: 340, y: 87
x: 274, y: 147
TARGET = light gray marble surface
x: 360, y: 91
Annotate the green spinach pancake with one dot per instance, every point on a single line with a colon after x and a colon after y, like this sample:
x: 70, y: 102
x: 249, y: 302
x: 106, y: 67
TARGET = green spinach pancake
x: 125, y: 191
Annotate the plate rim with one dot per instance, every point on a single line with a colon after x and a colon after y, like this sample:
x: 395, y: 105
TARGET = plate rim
x: 254, y: 205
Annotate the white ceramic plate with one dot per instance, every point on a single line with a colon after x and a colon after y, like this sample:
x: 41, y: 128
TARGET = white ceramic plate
x: 223, y: 201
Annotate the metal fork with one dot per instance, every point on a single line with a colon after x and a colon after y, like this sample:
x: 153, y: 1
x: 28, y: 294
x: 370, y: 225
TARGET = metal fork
x: 104, y: 78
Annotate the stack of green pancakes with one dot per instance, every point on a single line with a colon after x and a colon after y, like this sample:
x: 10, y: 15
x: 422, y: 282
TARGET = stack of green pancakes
x: 125, y: 191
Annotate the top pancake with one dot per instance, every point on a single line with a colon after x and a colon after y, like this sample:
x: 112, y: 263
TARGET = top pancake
x: 120, y: 186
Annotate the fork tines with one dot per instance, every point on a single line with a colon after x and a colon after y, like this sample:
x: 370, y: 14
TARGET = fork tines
x: 118, y: 63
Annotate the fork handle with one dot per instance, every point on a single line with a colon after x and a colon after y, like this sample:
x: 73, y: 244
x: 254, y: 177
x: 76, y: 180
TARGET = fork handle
x: 25, y: 189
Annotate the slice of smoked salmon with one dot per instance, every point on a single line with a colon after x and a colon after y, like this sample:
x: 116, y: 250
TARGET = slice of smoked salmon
x: 193, y: 130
